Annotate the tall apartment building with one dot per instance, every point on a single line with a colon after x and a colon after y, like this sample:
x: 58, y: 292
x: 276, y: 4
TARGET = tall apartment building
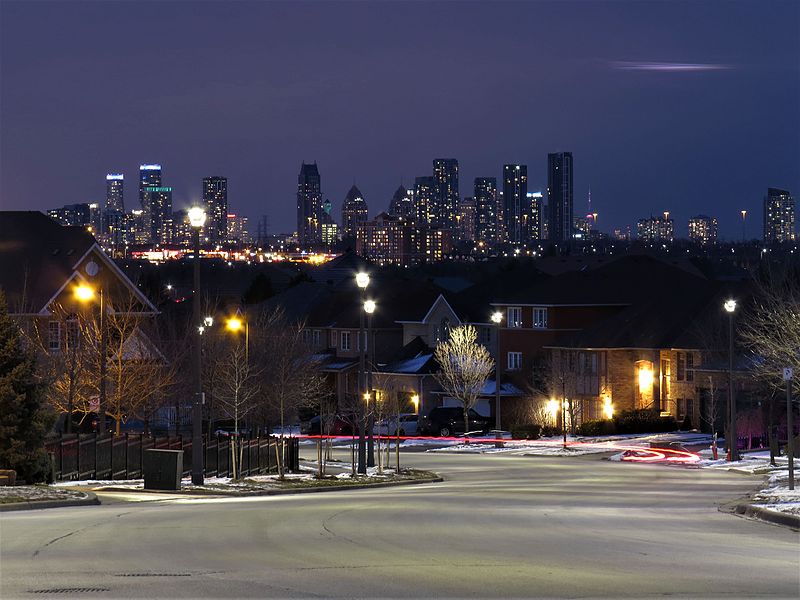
x: 445, y: 173
x: 533, y: 216
x: 237, y: 229
x: 215, y: 198
x: 515, y: 196
x: 157, y: 207
x: 425, y: 198
x: 703, y: 230
x: 354, y: 212
x: 72, y: 214
x: 559, y: 197
x: 465, y: 221
x: 149, y: 176
x: 487, y: 218
x: 655, y: 229
x: 114, y: 192
x: 309, y: 205
x: 779, y: 217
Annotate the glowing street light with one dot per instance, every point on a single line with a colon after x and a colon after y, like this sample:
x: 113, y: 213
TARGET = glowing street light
x: 85, y: 293
x: 234, y: 324
x: 733, y: 450
x: 208, y: 321
x: 369, y: 306
x: 497, y: 319
x: 415, y: 402
x: 362, y: 280
x: 197, y: 218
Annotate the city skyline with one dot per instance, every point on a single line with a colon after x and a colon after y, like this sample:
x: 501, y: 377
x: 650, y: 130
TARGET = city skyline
x: 639, y: 106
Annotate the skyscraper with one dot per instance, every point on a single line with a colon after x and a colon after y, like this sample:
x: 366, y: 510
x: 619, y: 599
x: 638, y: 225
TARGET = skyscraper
x: 703, y: 230
x: 445, y: 174
x: 515, y: 200
x: 157, y: 207
x: 559, y: 196
x: 309, y: 205
x: 779, y: 217
x: 656, y: 229
x: 425, y: 200
x: 354, y: 212
x: 114, y: 199
x: 466, y: 220
x: 533, y: 216
x: 486, y: 217
x: 215, y: 197
x: 149, y: 176
x: 402, y: 204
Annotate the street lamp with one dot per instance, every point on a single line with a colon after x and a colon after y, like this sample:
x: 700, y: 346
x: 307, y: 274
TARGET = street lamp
x: 362, y: 281
x: 369, y: 308
x: 733, y: 450
x: 84, y: 293
x: 497, y: 319
x: 197, y: 218
x: 235, y: 325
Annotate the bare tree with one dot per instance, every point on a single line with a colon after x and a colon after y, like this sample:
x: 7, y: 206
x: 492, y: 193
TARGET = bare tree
x: 465, y: 366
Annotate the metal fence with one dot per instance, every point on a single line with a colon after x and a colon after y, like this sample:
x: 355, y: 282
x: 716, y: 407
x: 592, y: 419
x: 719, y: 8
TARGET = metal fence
x: 89, y: 456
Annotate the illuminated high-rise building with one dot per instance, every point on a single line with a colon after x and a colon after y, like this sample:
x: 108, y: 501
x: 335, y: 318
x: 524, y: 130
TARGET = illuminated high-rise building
x: 703, y: 230
x: 465, y: 229
x: 559, y: 196
x: 425, y: 198
x: 157, y: 207
x: 779, y: 217
x: 486, y: 214
x: 515, y: 200
x: 309, y: 205
x: 354, y: 212
x: 445, y: 174
x: 533, y: 217
x: 655, y: 229
x: 215, y: 197
x: 114, y: 198
x: 402, y: 204
x: 237, y: 232
x: 149, y: 176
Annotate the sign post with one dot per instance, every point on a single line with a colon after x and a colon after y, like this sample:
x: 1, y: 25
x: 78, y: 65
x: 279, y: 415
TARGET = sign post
x: 787, y: 377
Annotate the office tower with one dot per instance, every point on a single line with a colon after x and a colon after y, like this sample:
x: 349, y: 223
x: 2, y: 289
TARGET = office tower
x: 445, y: 173
x: 149, y: 176
x: 236, y: 229
x: 515, y: 200
x: 114, y: 200
x: 309, y: 205
x: 559, y: 196
x: 262, y: 232
x: 486, y: 219
x: 215, y: 198
x: 354, y: 211
x: 329, y: 230
x: 402, y: 204
x: 157, y: 207
x: 655, y: 229
x: 703, y: 230
x: 533, y: 216
x: 95, y: 218
x: 424, y: 200
x: 465, y: 220
x: 779, y: 217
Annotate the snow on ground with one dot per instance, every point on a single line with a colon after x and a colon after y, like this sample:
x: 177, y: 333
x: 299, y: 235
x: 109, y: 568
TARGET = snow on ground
x: 35, y: 493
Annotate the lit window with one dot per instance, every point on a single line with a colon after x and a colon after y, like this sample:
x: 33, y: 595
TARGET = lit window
x: 514, y: 316
x: 345, y: 337
x: 540, y: 318
x: 54, y: 335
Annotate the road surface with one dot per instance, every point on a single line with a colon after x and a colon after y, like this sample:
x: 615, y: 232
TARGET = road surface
x: 499, y: 526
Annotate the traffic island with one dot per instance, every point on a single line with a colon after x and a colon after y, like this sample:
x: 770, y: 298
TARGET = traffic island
x: 31, y: 497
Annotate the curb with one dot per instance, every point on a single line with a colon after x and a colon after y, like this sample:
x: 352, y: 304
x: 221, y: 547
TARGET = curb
x: 277, y: 492
x: 775, y: 517
x: 90, y: 500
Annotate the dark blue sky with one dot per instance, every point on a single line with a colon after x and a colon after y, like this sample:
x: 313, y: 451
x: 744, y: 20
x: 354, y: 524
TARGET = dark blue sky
x: 688, y: 107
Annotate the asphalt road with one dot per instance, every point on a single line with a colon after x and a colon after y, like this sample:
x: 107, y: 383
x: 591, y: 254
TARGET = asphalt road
x: 499, y: 526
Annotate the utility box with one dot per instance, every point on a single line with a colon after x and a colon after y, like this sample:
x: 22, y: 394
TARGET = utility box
x: 162, y: 469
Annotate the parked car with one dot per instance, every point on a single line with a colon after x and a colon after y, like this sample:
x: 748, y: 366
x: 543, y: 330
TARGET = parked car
x: 445, y: 421
x: 408, y: 425
x: 337, y: 426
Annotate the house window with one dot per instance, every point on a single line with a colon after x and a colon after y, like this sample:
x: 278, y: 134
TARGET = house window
x: 334, y: 339
x: 514, y: 361
x: 316, y: 338
x: 689, y: 367
x: 540, y: 318
x: 73, y: 334
x: 514, y: 316
x: 306, y: 336
x: 54, y: 335
x: 681, y: 371
x: 345, y: 336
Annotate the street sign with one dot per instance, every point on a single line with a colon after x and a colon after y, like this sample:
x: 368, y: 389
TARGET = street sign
x: 788, y: 373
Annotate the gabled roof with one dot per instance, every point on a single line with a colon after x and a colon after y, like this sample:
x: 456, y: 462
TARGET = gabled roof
x: 38, y: 258
x: 415, y: 358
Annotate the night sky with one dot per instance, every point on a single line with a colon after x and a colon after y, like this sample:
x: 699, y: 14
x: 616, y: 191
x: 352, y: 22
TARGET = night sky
x: 688, y: 107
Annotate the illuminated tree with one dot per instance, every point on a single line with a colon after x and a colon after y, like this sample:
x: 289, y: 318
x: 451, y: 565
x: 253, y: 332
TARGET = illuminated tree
x: 465, y: 366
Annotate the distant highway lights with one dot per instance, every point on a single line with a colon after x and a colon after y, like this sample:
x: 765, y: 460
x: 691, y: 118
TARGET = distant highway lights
x: 197, y: 218
x: 733, y: 442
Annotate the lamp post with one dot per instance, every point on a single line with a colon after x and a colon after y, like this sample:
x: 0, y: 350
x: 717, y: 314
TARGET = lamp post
x: 362, y: 281
x: 733, y: 450
x: 235, y: 324
x: 84, y: 293
x: 369, y: 308
x: 197, y: 218
x: 497, y: 319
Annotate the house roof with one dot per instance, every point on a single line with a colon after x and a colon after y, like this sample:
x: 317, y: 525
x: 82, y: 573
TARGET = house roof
x: 38, y: 257
x: 415, y: 358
